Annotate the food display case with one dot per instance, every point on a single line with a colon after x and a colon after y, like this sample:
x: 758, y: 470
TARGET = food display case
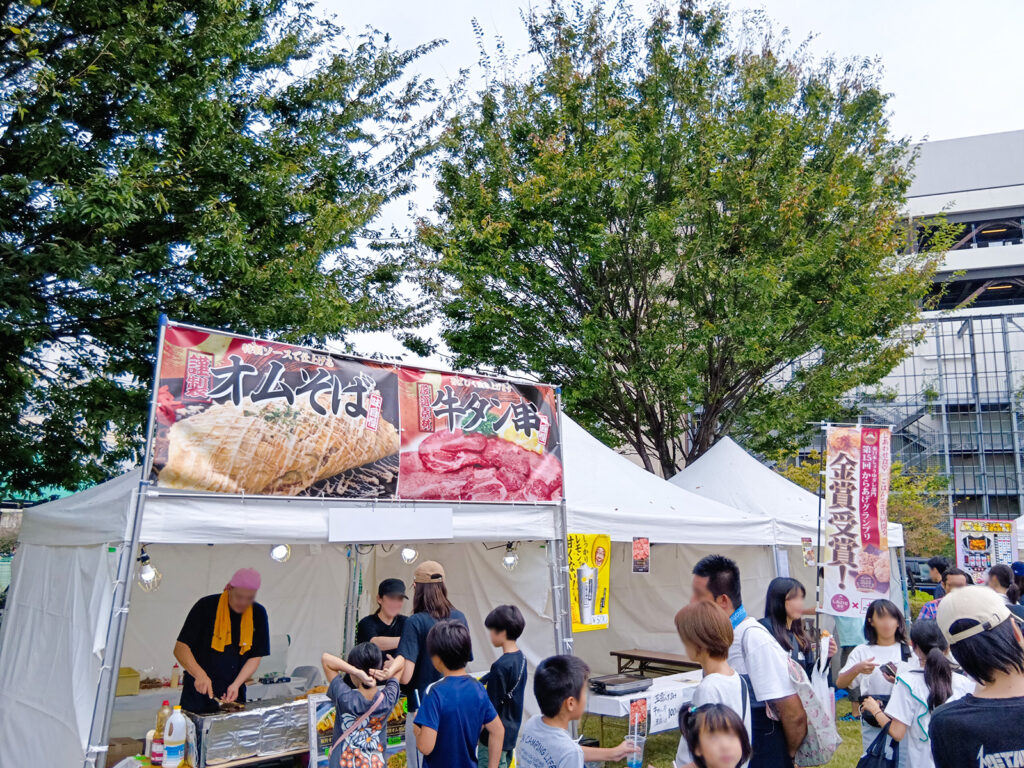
x: 259, y: 731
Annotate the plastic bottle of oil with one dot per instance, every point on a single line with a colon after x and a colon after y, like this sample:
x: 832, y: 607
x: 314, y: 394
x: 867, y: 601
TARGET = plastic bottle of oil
x: 157, y: 753
x: 174, y: 740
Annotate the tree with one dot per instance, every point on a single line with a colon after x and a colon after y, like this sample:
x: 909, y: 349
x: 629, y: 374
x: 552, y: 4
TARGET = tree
x: 215, y: 161
x: 916, y: 501
x: 694, y: 233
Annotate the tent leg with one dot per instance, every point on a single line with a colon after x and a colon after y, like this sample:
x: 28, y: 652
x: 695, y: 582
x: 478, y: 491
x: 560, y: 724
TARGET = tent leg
x: 901, y: 559
x: 351, y: 599
x: 99, y: 731
x: 558, y: 569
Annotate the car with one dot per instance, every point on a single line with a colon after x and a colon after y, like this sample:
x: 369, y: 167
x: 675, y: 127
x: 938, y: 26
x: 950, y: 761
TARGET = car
x: 919, y: 575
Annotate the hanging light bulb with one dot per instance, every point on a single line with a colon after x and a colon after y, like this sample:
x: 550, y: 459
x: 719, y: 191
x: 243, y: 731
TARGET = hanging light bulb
x: 149, y: 576
x: 511, y: 558
x: 280, y: 553
x: 409, y: 555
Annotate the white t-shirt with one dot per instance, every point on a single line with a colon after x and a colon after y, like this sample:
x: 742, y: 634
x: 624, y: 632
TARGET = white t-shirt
x: 718, y: 689
x: 761, y: 657
x: 909, y: 705
x: 874, y: 684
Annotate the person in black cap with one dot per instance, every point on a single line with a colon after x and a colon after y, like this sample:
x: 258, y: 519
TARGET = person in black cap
x: 384, y: 626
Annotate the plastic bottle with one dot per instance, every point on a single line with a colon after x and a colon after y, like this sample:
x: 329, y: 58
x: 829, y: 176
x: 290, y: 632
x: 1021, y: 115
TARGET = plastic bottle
x: 175, y: 677
x: 174, y: 740
x: 157, y: 750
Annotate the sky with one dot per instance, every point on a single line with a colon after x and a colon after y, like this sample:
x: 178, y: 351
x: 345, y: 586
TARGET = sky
x: 953, y: 67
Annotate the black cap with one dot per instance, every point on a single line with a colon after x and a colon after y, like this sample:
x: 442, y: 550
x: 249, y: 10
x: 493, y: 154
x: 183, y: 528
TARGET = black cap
x: 394, y: 587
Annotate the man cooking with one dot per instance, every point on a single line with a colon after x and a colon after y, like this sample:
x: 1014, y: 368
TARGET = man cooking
x: 221, y: 644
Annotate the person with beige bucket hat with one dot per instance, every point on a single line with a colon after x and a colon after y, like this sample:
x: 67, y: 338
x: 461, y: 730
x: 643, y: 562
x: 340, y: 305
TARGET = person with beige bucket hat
x: 430, y: 604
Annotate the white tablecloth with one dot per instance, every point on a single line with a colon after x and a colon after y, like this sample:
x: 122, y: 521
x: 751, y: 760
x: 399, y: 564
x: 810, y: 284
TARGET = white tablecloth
x: 666, y: 696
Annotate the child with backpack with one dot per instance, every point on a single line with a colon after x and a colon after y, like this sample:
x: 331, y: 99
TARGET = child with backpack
x: 707, y: 636
x: 361, y: 713
x: 506, y: 682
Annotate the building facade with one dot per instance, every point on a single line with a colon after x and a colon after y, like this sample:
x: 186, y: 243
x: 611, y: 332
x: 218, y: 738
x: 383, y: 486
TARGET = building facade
x: 957, y: 403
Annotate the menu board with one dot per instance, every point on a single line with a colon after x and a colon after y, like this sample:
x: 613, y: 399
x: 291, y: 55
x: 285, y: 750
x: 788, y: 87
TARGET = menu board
x: 980, y: 544
x: 246, y: 416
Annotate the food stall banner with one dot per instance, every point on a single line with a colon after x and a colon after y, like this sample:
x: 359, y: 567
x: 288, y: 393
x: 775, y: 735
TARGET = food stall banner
x: 247, y: 416
x: 856, y: 557
x: 980, y: 544
x: 589, y: 580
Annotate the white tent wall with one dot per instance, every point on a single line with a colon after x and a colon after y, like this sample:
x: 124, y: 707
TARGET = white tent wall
x: 304, y: 598
x: 643, y: 605
x: 55, y: 626
x: 477, y: 582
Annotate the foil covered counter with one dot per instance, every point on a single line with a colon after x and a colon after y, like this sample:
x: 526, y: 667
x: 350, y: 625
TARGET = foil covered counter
x: 263, y: 729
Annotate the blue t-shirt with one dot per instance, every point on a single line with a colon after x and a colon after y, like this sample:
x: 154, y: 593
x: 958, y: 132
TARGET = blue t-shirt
x: 457, y: 708
x: 413, y: 646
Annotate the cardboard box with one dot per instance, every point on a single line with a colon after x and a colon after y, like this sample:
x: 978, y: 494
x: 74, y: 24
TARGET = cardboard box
x: 119, y: 749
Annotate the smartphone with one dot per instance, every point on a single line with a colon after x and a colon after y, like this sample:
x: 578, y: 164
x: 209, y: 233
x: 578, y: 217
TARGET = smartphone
x: 889, y: 669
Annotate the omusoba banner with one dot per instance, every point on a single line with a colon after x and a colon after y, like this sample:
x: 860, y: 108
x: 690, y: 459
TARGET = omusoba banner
x: 856, y: 557
x: 240, y: 415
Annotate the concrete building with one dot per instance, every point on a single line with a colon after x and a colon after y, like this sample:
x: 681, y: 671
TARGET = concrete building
x: 956, y: 403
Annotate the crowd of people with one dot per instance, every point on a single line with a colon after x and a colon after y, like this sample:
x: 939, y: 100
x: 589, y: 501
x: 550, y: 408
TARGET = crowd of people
x: 950, y: 691
x: 946, y: 691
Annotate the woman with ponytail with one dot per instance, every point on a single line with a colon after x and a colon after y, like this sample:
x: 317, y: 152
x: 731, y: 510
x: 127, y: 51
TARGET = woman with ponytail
x: 918, y: 691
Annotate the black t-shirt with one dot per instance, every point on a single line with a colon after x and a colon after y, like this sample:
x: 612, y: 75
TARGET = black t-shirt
x: 506, y: 687
x: 222, y: 667
x: 371, y: 626
x: 413, y: 646
x: 978, y: 732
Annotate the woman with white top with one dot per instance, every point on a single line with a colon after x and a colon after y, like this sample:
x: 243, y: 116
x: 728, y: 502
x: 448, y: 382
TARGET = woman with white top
x: 886, y: 633
x: 922, y: 684
x: 707, y: 635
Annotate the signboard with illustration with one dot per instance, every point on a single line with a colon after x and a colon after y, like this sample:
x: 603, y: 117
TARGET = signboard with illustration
x: 589, y: 580
x: 246, y: 416
x: 980, y: 544
x: 467, y: 438
x: 856, y: 552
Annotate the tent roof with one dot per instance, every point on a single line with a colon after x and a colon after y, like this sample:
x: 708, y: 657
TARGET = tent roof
x: 607, y: 493
x: 729, y: 474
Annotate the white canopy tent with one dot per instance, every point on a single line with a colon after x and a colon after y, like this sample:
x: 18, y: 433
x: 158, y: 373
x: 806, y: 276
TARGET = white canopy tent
x: 730, y: 475
x: 66, y: 573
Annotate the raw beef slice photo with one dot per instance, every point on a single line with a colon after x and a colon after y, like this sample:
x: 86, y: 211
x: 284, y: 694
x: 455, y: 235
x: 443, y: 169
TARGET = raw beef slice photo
x: 469, y: 466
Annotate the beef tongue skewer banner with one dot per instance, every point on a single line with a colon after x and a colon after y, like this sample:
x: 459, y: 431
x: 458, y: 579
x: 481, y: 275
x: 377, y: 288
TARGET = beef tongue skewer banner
x: 856, y: 558
x: 247, y: 416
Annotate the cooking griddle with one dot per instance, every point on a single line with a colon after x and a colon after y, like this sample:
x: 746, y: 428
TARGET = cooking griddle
x: 620, y: 685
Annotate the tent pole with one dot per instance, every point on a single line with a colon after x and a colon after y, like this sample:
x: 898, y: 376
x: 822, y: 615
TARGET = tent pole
x: 901, y: 559
x: 106, y: 686
x: 818, y: 565
x: 351, y: 599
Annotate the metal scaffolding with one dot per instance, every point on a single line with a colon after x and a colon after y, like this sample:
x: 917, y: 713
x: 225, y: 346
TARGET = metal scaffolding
x: 955, y: 404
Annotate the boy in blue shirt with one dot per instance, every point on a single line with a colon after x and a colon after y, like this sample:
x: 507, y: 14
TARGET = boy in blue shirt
x: 457, y: 708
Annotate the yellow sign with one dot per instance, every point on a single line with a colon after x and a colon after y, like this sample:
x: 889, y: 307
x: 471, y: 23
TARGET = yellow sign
x: 590, y: 566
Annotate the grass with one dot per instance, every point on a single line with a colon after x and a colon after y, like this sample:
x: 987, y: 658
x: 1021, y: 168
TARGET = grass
x: 661, y: 748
